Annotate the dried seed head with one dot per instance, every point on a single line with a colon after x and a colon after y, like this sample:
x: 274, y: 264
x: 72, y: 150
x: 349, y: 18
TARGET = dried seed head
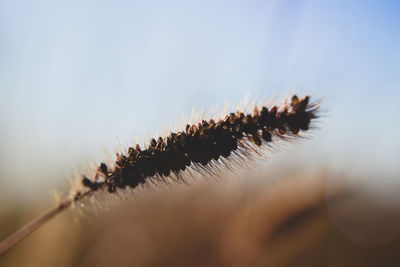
x: 199, y: 147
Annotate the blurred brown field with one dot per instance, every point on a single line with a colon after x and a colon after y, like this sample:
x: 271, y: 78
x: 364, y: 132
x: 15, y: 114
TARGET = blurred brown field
x: 298, y: 218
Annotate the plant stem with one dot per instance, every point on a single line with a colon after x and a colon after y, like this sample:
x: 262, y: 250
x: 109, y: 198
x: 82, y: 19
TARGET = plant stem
x: 23, y: 232
x: 30, y: 227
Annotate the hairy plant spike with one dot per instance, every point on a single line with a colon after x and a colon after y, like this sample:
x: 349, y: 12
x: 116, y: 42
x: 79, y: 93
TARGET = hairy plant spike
x: 206, y: 142
x: 202, y: 147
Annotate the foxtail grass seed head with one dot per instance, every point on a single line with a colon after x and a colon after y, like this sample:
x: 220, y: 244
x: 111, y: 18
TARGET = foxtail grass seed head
x: 204, y: 146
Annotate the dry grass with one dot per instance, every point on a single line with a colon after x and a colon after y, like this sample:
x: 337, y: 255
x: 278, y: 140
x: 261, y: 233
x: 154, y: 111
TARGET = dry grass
x: 205, y: 147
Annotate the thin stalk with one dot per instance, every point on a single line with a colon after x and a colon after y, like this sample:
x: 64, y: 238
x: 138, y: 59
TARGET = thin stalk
x: 30, y: 227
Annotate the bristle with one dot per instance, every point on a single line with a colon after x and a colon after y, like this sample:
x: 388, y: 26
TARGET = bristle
x: 206, y: 146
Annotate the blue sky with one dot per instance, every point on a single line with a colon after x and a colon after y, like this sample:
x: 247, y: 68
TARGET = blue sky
x: 76, y: 75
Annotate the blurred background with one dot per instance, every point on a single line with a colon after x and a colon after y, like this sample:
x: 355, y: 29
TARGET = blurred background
x: 77, y: 76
